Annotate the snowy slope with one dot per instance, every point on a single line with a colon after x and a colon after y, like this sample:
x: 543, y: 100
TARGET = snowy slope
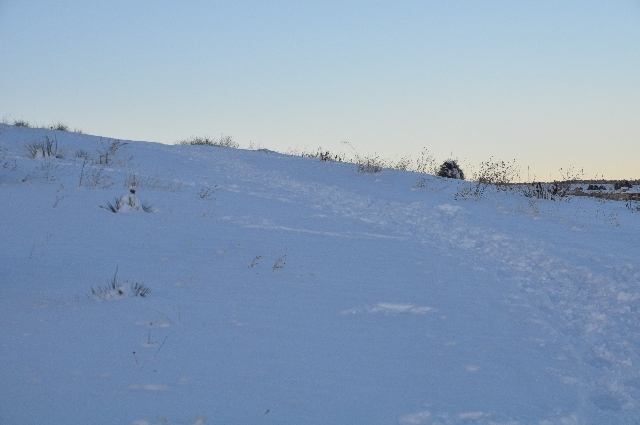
x: 288, y: 290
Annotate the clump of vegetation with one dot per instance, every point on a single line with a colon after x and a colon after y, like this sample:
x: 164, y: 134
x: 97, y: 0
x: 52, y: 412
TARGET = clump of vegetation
x: 426, y: 163
x: 405, y: 164
x: 128, y: 203
x: 207, y: 192
x: 499, y: 173
x: 107, y: 155
x: 223, y: 141
x: 46, y: 148
x: 24, y: 123
x: 550, y: 191
x: 59, y: 126
x: 108, y: 151
x: 139, y: 289
x: 133, y: 181
x: 112, y: 290
x: 21, y: 123
x: 451, y: 170
x: 633, y: 206
x: 596, y: 187
x: 622, y: 184
x: 323, y: 155
x: 91, y: 176
x: 556, y: 190
x: 369, y: 164
x: 81, y: 153
x: 115, y: 290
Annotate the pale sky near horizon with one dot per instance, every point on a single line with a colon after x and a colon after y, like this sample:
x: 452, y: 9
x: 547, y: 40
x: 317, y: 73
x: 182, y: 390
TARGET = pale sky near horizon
x: 551, y: 84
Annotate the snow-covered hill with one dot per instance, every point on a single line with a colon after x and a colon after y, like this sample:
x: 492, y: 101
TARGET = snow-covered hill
x: 287, y: 290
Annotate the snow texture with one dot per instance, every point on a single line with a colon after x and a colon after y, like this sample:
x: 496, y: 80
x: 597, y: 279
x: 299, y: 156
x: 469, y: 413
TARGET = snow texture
x: 288, y: 290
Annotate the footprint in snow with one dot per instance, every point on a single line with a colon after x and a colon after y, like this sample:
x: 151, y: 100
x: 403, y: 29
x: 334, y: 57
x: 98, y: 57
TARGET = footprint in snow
x: 449, y: 209
x: 149, y: 387
x: 390, y: 309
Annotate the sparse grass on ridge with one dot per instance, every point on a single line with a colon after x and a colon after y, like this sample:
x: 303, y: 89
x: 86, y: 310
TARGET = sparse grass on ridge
x: 373, y: 163
x: 21, y: 123
x: 223, y: 141
x: 497, y: 174
x: 58, y: 126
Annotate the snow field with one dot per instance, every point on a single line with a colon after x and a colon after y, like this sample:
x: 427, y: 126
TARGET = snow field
x: 288, y: 290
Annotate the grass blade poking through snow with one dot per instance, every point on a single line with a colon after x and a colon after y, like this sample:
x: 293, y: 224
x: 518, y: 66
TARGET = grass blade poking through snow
x: 128, y: 203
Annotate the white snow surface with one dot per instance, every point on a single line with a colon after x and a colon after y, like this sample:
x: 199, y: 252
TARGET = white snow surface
x: 287, y: 290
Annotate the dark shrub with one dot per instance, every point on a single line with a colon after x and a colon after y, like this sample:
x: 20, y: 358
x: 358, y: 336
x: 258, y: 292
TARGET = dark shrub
x: 451, y: 170
x: 624, y: 183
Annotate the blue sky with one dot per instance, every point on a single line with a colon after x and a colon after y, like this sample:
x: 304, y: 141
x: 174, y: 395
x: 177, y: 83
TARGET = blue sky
x: 550, y: 84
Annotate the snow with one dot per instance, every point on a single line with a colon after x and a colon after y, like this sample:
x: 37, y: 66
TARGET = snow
x: 288, y: 290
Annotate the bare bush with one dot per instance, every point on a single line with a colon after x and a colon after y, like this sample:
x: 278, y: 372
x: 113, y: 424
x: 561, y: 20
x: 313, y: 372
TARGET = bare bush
x: 369, y: 164
x: 81, y: 153
x: 93, y: 176
x: 426, y: 164
x: 46, y: 148
x: 500, y: 174
x: 469, y: 191
x: 556, y: 190
x: 227, y: 142
x: 108, y: 151
x: 551, y: 191
x: 405, y: 163
x: 133, y: 181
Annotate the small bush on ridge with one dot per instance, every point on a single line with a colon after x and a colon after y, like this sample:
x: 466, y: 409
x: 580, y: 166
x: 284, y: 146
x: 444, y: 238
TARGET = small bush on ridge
x: 500, y: 173
x: 369, y: 164
x: 21, y: 123
x: 426, y: 164
x: 323, y: 155
x: 59, y: 127
x: 451, y: 170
